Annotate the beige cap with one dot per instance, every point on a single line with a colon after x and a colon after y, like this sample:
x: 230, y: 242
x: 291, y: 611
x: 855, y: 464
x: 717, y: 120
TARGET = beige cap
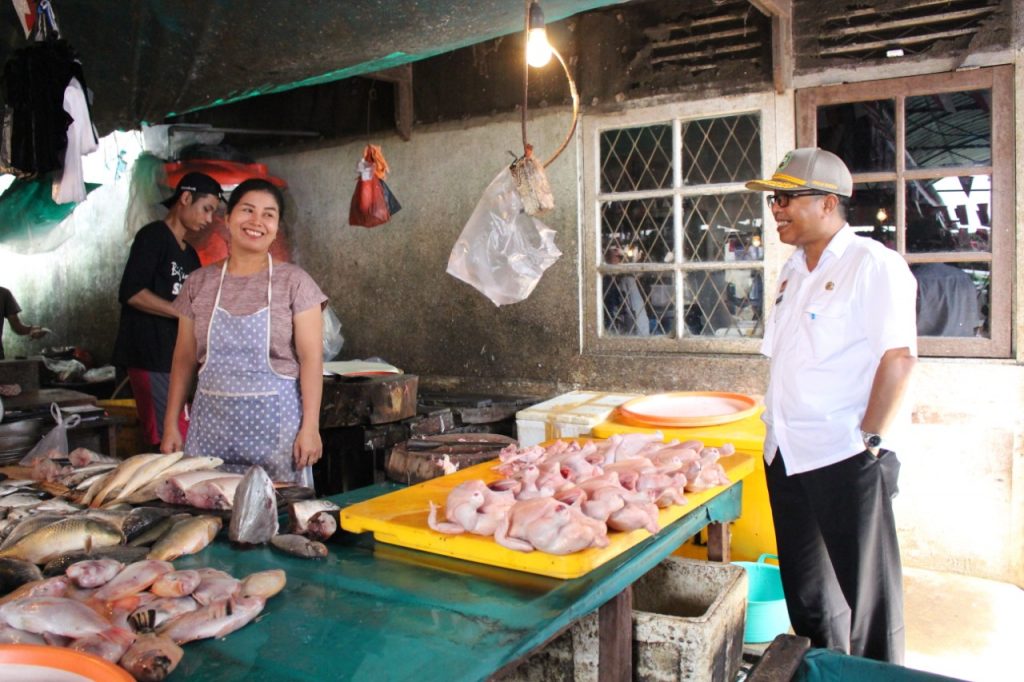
x: 808, y: 168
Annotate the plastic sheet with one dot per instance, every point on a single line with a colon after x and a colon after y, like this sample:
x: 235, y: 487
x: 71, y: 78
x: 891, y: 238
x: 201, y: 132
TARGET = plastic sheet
x: 333, y: 340
x: 502, y: 251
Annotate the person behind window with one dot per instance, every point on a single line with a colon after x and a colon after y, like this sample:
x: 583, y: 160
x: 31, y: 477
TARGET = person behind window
x: 947, y: 300
x: 625, y: 311
x: 842, y: 343
x: 9, y: 310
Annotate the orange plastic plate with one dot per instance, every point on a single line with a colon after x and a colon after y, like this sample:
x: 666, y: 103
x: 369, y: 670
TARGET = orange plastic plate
x: 688, y: 408
x: 31, y: 662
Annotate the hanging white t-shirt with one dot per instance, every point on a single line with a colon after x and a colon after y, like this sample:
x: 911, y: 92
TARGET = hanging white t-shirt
x: 69, y: 185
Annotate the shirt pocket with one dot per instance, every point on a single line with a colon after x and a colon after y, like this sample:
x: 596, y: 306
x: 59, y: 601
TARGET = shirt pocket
x: 827, y: 324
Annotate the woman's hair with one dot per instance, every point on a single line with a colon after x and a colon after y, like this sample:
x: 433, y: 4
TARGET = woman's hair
x: 256, y: 185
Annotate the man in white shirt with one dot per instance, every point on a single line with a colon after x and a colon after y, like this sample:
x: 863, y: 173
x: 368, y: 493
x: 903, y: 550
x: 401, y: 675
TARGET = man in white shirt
x: 842, y: 342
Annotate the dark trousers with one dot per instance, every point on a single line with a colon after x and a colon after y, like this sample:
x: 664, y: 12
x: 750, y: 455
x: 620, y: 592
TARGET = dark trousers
x: 839, y: 556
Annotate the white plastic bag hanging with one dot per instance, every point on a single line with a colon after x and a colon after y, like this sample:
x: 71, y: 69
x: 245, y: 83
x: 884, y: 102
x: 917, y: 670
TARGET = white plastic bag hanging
x: 333, y: 340
x: 502, y: 251
x: 54, y: 445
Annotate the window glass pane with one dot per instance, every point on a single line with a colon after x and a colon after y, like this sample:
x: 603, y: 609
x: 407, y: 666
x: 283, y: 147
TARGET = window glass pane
x: 638, y: 231
x: 949, y: 214
x: 725, y: 149
x: 724, y: 303
x: 873, y: 211
x: 723, y: 227
x: 636, y: 158
x: 952, y: 299
x: 863, y: 134
x: 638, y: 304
x: 949, y: 129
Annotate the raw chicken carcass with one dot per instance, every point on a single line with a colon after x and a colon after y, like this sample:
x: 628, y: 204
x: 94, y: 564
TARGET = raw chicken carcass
x: 550, y: 526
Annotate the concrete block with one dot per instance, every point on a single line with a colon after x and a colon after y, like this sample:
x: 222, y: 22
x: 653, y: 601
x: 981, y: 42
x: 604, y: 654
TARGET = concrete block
x: 688, y: 620
x: 570, y: 657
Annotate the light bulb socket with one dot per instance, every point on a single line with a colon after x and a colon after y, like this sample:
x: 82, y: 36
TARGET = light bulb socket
x: 536, y: 16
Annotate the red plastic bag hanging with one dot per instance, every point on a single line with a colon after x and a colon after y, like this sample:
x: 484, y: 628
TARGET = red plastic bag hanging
x: 369, y: 207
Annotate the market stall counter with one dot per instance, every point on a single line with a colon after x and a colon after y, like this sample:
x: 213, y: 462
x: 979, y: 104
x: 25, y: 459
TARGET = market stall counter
x: 375, y: 611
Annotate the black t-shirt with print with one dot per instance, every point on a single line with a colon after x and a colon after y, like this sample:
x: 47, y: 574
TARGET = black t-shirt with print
x: 157, y: 263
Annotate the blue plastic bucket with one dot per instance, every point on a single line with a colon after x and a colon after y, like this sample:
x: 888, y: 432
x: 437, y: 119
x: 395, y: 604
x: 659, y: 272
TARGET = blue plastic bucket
x: 766, y: 603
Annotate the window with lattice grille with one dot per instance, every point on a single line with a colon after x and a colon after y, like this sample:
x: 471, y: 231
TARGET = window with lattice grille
x: 677, y: 257
x: 932, y: 164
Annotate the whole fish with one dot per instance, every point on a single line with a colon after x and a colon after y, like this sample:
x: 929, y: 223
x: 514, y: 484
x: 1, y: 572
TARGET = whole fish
x: 148, y: 492
x: 14, y: 573
x: 29, y: 525
x: 54, y: 615
x: 119, y: 476
x: 176, y: 584
x: 323, y: 525
x: 94, y: 572
x: 21, y: 498
x: 186, y: 537
x: 71, y: 534
x: 93, y: 480
x: 126, y: 555
x: 151, y: 658
x: 214, y: 620
x: 300, y: 546
x: 158, y: 530
x: 134, y: 578
x: 263, y: 584
x: 254, y: 513
x: 144, y: 474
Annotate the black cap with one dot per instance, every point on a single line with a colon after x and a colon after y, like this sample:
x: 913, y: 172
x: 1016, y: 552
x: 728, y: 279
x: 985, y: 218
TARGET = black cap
x: 197, y: 183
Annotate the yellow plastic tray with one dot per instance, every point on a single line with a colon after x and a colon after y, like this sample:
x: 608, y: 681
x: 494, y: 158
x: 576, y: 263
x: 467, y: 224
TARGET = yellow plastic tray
x: 746, y: 434
x: 400, y: 518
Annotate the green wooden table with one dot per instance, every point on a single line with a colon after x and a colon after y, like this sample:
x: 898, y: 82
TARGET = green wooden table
x: 371, y: 611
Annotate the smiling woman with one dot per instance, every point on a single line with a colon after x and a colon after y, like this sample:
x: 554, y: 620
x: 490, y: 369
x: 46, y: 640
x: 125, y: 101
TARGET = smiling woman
x: 253, y: 330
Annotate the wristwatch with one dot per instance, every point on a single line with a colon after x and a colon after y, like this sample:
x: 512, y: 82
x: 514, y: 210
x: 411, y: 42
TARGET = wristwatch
x: 872, y: 441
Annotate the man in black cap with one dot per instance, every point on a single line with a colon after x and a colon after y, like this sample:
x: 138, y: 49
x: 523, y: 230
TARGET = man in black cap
x: 159, y: 263
x: 842, y: 343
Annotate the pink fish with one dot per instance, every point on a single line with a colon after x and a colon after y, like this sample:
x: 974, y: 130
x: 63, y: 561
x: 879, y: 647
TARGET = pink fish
x: 176, y: 584
x: 94, y: 572
x: 136, y: 578
x: 214, y: 620
x: 55, y: 615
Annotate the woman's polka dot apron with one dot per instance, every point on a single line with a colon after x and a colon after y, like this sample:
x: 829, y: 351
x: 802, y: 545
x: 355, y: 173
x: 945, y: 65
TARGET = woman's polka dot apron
x: 245, y: 412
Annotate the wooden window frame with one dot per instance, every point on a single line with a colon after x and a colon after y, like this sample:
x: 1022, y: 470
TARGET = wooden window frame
x: 1001, y: 255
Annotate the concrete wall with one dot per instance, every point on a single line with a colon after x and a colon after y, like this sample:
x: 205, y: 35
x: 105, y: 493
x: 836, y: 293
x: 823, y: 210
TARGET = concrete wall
x: 960, y: 503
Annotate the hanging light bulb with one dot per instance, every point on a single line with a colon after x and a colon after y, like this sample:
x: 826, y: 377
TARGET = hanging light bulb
x: 538, y: 50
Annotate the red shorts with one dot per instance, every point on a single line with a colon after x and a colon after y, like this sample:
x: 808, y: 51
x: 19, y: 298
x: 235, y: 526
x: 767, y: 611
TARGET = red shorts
x: 150, y: 390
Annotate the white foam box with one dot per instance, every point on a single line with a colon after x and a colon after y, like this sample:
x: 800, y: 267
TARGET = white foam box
x: 567, y: 416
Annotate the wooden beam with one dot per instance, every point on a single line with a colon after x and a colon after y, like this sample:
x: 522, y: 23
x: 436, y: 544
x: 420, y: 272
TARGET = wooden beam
x: 401, y: 77
x: 774, y: 8
x: 781, y: 12
x: 704, y: 37
x: 891, y: 24
x: 615, y: 638
x: 898, y: 42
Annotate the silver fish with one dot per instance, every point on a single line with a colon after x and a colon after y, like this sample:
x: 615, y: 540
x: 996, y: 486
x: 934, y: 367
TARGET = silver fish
x: 299, y: 546
x: 186, y: 537
x: 254, y: 513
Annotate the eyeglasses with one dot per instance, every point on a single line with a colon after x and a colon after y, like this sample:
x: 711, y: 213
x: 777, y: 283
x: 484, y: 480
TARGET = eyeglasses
x: 783, y: 199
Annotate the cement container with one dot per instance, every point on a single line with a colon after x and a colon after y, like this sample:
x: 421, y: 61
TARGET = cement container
x: 688, y: 620
x: 570, y: 657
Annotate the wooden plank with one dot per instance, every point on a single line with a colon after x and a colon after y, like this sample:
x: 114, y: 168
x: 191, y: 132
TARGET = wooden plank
x: 888, y: 25
x: 774, y: 8
x: 897, y: 42
x: 782, y: 53
x: 401, y: 77
x: 719, y: 541
x: 615, y: 636
x: 780, y: 660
